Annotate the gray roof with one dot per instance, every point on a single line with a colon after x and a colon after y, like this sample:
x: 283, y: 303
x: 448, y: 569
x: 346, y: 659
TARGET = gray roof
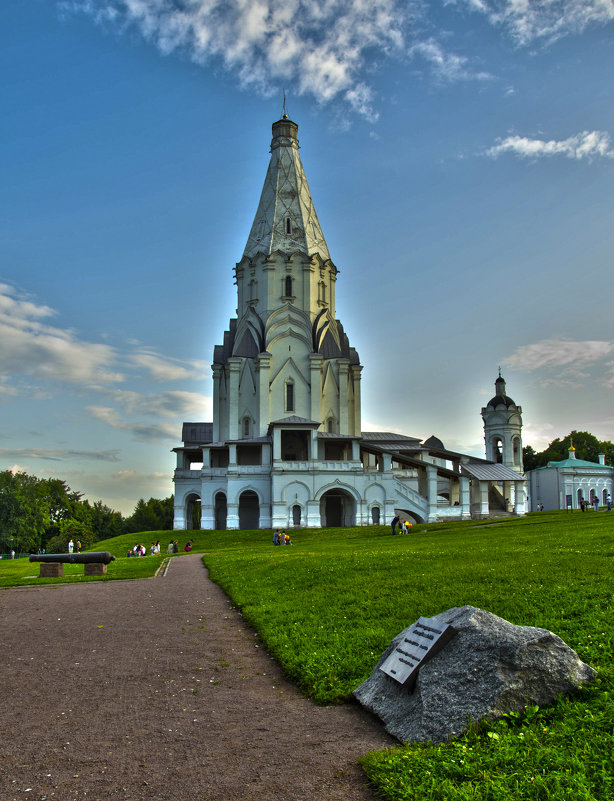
x: 387, y: 436
x: 193, y: 433
x: 295, y: 420
x: 489, y: 471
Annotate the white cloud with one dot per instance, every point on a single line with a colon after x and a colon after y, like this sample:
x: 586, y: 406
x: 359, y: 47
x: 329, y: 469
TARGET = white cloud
x: 530, y: 20
x: 58, y: 454
x: 164, y: 404
x: 558, y: 353
x: 320, y: 46
x: 143, y: 432
x: 30, y: 346
x: 585, y: 145
x: 446, y: 66
x: 164, y: 369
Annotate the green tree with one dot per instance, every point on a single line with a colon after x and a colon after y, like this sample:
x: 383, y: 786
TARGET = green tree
x: 152, y: 515
x: 105, y: 522
x: 587, y: 446
x: 24, y: 511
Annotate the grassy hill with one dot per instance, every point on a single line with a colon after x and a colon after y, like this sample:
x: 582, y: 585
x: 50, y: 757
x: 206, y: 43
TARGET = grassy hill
x: 327, y: 606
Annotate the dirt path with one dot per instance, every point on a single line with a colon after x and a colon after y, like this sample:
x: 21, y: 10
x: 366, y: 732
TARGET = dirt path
x: 154, y: 689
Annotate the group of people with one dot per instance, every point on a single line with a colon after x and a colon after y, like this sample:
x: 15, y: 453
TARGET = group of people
x: 281, y: 538
x: 404, y: 525
x: 154, y: 548
x: 594, y: 501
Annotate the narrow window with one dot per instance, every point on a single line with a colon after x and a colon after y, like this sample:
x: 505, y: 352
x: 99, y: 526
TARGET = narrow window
x: 246, y: 426
x: 288, y: 226
x: 330, y: 426
x: 289, y: 397
x: 288, y: 286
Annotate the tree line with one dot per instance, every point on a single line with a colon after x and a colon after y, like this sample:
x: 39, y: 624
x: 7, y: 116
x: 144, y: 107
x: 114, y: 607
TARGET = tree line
x: 44, y: 513
x: 587, y: 446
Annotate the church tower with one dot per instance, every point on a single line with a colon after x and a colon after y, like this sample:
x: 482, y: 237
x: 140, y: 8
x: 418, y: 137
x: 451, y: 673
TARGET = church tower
x: 503, y: 429
x: 285, y: 447
x: 285, y: 359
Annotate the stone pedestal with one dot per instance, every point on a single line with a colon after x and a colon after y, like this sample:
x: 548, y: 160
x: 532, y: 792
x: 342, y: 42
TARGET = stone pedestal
x: 94, y: 569
x: 51, y: 570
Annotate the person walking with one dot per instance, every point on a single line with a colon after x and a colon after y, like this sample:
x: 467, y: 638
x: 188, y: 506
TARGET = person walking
x: 394, y: 523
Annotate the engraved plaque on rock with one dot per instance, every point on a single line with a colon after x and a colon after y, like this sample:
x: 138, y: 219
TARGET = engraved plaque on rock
x: 423, y: 640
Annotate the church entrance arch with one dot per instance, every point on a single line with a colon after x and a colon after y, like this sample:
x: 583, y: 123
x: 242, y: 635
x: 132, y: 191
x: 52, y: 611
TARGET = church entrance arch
x: 249, y: 510
x: 220, y: 511
x: 337, y: 508
x: 192, y: 511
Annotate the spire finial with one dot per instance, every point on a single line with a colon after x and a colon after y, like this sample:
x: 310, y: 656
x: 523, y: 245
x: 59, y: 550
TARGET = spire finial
x: 499, y: 371
x: 284, y: 114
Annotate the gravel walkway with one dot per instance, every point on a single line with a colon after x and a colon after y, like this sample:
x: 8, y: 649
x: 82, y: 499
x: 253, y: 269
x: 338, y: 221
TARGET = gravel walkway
x: 155, y: 689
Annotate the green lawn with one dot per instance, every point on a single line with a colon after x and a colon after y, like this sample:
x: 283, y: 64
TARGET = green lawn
x: 327, y: 606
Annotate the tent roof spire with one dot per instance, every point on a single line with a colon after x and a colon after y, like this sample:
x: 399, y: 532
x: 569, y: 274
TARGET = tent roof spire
x: 286, y: 219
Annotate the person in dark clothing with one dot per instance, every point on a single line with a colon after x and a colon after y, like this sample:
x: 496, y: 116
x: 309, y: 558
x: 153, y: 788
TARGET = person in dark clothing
x: 394, y: 523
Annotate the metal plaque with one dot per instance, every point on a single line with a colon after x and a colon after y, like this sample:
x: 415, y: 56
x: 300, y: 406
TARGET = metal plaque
x: 424, y: 639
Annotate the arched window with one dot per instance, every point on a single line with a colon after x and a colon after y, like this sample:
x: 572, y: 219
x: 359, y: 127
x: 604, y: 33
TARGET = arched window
x: 288, y: 292
x: 322, y: 291
x: 289, y: 396
x: 247, y: 426
x: 330, y: 425
x: 375, y: 512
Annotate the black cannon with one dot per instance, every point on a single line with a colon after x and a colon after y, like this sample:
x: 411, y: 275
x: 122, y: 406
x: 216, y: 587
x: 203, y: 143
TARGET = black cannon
x: 52, y: 564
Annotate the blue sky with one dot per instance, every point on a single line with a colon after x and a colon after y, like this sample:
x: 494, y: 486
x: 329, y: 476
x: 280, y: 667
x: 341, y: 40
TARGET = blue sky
x: 461, y: 159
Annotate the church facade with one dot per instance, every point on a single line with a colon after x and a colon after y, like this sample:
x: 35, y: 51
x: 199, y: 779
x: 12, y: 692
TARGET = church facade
x: 286, y: 447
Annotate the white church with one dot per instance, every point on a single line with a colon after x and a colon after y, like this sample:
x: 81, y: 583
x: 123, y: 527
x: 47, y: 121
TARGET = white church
x: 286, y: 447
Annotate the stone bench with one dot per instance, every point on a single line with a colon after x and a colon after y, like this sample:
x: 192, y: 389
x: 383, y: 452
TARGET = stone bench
x: 52, y: 564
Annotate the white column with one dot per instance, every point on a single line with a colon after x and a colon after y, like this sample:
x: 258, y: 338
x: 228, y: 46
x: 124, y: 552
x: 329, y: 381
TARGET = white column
x: 356, y: 371
x: 276, y: 444
x: 431, y: 478
x: 315, y: 380
x: 234, y: 366
x: 313, y: 514
x: 217, y: 371
x: 263, y: 370
x: 344, y: 367
x: 465, y: 498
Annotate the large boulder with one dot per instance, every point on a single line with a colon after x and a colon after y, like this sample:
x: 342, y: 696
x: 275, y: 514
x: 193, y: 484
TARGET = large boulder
x: 489, y: 668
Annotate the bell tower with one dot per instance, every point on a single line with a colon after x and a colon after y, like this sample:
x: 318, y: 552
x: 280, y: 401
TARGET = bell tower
x: 503, y: 428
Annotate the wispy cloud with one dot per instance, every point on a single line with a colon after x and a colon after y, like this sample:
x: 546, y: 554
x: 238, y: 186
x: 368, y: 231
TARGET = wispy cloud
x: 446, y: 66
x: 143, y: 432
x: 558, y: 353
x: 587, y: 145
x: 58, y: 454
x: 319, y: 46
x: 529, y: 20
x: 29, y: 345
x: 165, y: 369
x: 171, y: 404
x: 566, y: 363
